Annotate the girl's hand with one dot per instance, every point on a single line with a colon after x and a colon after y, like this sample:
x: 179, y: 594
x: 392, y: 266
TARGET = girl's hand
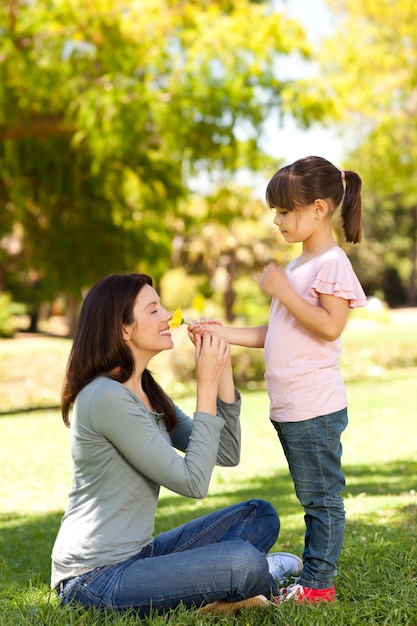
x: 274, y: 281
x: 203, y: 326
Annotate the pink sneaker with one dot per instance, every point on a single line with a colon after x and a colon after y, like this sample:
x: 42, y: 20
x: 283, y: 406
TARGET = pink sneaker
x: 299, y: 594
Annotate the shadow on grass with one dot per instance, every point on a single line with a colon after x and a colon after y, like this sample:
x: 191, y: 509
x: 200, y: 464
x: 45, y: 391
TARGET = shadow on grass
x: 395, y: 477
x: 278, y: 489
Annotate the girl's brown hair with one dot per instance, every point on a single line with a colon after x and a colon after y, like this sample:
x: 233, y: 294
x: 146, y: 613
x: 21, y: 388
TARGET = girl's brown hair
x: 99, y: 349
x: 311, y: 178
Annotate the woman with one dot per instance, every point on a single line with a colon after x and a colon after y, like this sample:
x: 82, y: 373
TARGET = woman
x: 124, y: 432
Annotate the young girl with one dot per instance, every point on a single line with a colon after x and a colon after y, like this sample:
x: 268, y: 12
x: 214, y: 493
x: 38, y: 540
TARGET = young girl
x: 310, y: 303
x: 124, y: 434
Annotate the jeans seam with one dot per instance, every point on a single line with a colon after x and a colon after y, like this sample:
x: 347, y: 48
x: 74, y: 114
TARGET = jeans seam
x: 219, y: 521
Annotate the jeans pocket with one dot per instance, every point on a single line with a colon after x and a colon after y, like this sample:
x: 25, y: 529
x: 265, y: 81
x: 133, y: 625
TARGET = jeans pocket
x: 335, y: 425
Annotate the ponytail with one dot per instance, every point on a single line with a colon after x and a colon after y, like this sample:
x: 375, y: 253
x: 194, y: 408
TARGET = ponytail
x: 351, y: 208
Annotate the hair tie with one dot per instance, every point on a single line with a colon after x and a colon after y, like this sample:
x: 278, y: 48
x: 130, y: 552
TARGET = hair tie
x: 342, y: 174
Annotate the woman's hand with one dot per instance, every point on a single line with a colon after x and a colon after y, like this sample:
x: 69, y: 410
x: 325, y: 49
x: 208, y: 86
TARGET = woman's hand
x: 212, y: 357
x: 212, y: 354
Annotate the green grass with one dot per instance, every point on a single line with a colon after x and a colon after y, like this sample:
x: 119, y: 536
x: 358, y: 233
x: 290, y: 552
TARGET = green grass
x: 377, y: 581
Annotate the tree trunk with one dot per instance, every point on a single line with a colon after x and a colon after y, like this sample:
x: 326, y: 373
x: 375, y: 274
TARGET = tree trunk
x: 73, y: 309
x: 229, y: 296
x: 412, y: 290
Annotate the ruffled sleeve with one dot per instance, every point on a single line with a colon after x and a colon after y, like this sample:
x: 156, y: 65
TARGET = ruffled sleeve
x: 335, y: 276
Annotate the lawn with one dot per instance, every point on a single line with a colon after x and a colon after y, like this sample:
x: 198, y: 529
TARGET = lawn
x: 377, y: 581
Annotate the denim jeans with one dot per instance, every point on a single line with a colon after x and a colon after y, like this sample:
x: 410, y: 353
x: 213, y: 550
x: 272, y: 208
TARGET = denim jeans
x: 220, y: 556
x: 313, y: 451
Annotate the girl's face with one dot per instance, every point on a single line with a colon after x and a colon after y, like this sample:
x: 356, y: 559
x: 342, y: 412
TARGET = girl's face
x: 150, y: 332
x: 296, y: 225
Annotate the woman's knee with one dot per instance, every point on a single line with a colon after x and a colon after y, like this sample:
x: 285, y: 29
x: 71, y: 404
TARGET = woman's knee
x: 269, y: 518
x: 265, y: 509
x: 248, y: 566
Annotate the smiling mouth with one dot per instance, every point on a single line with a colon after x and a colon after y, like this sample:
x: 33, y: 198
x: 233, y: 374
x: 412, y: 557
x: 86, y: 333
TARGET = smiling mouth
x: 165, y: 332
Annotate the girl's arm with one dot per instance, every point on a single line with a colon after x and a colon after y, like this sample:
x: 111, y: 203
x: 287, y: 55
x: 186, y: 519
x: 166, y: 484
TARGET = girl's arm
x: 326, y: 321
x: 253, y: 337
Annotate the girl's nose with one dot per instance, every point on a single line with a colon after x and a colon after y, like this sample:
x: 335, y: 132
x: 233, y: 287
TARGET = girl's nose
x: 277, y: 219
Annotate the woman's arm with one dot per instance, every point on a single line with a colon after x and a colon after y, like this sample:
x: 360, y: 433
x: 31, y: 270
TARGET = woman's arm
x: 212, y: 355
x: 228, y: 454
x: 144, y: 443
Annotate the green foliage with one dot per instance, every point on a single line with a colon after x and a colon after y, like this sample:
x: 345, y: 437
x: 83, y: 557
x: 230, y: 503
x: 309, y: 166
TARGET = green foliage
x: 369, y: 64
x: 228, y: 237
x: 179, y: 289
x: 108, y: 112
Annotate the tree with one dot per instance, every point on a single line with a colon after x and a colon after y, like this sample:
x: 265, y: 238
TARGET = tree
x: 230, y: 235
x: 108, y: 110
x: 371, y: 65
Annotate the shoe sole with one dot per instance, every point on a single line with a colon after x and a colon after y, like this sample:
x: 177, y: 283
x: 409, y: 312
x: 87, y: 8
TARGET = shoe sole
x: 230, y: 608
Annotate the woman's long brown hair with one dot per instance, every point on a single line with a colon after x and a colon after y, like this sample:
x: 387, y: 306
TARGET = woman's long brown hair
x: 99, y: 349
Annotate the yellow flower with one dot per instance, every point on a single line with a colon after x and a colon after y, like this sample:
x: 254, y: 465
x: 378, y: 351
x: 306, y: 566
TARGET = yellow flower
x: 177, y: 319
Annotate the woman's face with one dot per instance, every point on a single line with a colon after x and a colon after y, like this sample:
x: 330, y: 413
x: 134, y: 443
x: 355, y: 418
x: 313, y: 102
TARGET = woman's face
x: 150, y: 331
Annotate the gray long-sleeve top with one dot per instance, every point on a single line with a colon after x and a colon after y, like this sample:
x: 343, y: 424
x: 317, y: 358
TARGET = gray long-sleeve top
x: 122, y: 454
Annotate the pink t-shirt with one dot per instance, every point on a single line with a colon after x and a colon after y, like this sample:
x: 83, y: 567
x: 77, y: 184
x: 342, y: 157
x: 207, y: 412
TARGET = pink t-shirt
x: 302, y: 370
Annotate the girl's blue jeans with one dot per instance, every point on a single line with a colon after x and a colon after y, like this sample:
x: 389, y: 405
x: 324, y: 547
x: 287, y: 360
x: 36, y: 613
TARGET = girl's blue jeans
x: 220, y: 556
x: 313, y: 450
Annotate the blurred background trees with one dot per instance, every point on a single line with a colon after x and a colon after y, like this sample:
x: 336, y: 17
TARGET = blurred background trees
x: 131, y: 139
x: 370, y: 62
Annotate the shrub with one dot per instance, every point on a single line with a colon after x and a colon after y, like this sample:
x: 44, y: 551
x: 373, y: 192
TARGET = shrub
x: 6, y: 316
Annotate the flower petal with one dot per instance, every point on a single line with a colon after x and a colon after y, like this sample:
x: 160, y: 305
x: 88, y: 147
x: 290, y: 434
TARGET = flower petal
x: 176, y: 319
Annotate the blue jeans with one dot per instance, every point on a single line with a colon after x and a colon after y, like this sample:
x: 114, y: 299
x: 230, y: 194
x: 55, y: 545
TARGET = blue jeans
x: 313, y: 451
x: 220, y: 556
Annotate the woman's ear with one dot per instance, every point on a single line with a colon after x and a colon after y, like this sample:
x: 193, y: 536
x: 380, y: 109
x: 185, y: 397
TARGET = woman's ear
x: 126, y: 334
